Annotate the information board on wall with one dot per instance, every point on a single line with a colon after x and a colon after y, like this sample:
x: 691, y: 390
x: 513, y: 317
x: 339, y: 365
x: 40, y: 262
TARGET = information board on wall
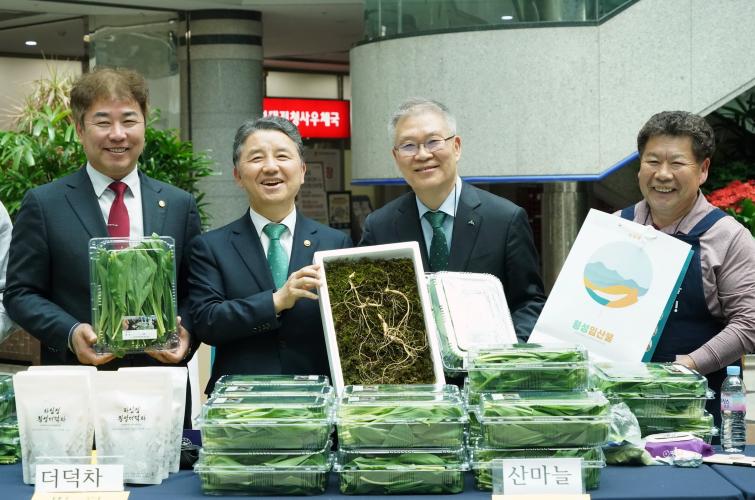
x: 312, y: 200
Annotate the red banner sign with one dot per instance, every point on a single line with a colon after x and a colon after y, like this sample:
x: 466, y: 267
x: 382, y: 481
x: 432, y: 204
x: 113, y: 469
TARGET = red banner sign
x: 316, y: 118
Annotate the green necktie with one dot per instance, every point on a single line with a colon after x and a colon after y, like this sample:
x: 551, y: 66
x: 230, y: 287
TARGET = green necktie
x: 438, y: 245
x: 276, y: 254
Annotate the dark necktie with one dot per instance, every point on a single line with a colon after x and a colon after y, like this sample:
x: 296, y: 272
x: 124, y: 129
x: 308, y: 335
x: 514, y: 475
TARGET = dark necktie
x: 276, y: 254
x: 118, y: 224
x: 438, y: 245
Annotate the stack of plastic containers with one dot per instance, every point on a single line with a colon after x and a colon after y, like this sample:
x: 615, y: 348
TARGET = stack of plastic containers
x: 531, y: 401
x: 664, y: 397
x: 10, y: 445
x: 266, y: 435
x: 401, y: 439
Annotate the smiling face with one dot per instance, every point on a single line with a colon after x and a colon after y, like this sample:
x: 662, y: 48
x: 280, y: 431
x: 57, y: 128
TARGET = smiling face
x: 430, y: 174
x: 670, y: 177
x: 112, y: 134
x: 271, y: 172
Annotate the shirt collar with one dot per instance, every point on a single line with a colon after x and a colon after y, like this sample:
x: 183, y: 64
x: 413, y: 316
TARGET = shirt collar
x: 448, y: 206
x: 100, y: 181
x: 260, y: 221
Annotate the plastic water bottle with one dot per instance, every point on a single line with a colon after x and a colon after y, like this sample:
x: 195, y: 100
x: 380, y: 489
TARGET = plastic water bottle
x: 733, y: 407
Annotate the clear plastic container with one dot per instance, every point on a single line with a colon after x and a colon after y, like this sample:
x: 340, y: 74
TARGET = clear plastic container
x: 401, y: 472
x: 7, y: 407
x: 408, y: 389
x: 286, y: 390
x: 281, y: 381
x: 280, y: 472
x: 10, y: 443
x: 267, y: 421
x: 133, y: 294
x: 401, y: 420
x: 702, y: 426
x: 664, y: 407
x: 269, y: 406
x: 6, y: 384
x: 649, y: 379
x: 481, y: 461
x: 544, y: 420
x: 471, y: 312
x: 529, y: 367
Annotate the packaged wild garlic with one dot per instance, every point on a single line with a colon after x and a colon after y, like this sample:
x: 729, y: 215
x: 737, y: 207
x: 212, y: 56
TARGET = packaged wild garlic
x: 133, y: 420
x: 179, y: 377
x: 54, y: 416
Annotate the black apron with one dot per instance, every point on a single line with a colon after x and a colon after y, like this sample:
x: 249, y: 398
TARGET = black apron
x: 690, y: 323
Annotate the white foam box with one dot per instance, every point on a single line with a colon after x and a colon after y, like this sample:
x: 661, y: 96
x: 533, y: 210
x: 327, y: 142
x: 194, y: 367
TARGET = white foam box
x: 378, y: 252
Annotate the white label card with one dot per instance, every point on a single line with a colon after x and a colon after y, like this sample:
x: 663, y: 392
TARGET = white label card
x: 73, y: 478
x: 532, y: 476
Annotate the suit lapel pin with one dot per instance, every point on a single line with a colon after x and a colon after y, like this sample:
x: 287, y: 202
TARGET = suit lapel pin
x: 471, y: 222
x: 161, y: 203
x: 307, y: 243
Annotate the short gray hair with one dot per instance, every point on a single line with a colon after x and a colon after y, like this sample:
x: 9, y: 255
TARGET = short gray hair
x: 416, y: 105
x: 680, y: 124
x: 266, y: 123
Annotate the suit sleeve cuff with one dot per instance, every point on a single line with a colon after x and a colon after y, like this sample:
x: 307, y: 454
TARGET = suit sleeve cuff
x: 70, y: 337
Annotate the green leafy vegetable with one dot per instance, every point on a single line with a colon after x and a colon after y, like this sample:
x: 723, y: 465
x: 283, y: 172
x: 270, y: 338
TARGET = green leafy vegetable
x: 401, y: 421
x: 267, y: 421
x: 650, y: 379
x: 659, y: 407
x: 305, y: 474
x: 265, y: 434
x: 401, y: 473
x: 700, y: 426
x: 528, y: 367
x: 544, y: 420
x: 10, y: 444
x: 7, y: 407
x: 133, y: 289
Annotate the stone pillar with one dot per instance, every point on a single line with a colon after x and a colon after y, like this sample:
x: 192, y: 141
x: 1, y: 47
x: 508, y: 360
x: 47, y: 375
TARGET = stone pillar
x: 564, y: 209
x: 221, y: 86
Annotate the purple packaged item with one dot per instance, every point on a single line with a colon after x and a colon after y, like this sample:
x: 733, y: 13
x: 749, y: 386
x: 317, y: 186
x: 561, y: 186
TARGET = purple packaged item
x: 662, y: 445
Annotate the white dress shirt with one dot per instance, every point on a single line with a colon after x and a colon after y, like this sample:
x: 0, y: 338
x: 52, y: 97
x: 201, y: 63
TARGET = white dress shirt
x: 132, y: 197
x: 286, y: 238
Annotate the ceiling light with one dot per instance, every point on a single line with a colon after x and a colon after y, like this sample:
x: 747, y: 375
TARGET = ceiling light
x: 30, y: 43
x: 507, y: 18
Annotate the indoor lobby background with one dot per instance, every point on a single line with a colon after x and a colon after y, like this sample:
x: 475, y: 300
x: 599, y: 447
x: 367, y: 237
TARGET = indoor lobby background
x: 549, y: 94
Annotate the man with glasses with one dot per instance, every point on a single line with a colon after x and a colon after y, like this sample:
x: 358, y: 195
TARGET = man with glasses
x: 458, y: 226
x: 47, y: 291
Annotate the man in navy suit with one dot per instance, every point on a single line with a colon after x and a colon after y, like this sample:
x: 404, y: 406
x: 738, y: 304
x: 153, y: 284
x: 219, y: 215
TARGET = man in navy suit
x: 465, y: 228
x: 252, y: 282
x: 47, y: 290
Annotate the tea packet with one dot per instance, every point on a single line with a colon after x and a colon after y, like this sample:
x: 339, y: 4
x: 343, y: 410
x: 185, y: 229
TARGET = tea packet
x: 178, y: 376
x: 54, y: 418
x: 132, y: 420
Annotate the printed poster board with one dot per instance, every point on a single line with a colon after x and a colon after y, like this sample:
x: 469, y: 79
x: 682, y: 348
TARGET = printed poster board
x: 615, y: 289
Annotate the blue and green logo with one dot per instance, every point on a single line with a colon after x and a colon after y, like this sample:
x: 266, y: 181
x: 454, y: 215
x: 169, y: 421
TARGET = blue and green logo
x: 618, y: 274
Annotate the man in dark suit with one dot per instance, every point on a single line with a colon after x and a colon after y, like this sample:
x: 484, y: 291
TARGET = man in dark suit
x: 464, y: 228
x: 251, y: 282
x: 47, y: 290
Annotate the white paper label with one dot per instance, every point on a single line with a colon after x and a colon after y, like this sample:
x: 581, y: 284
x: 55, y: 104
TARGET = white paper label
x: 72, y: 478
x: 542, y: 476
x: 139, y: 328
